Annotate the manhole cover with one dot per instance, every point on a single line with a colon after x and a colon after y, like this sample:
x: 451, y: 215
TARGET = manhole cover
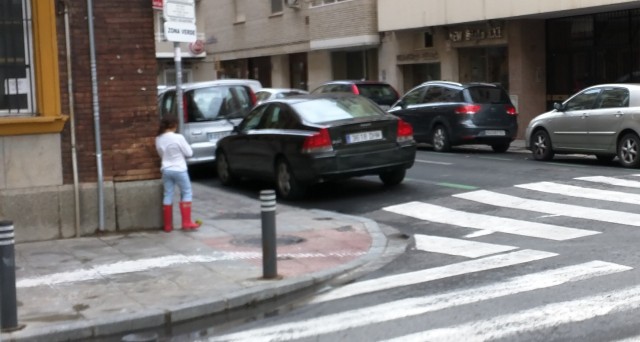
x: 345, y: 229
x: 282, y: 240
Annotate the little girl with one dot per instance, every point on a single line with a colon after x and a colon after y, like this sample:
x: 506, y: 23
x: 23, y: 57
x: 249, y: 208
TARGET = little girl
x: 173, y: 149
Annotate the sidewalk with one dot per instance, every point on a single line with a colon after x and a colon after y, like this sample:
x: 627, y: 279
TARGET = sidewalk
x: 90, y: 287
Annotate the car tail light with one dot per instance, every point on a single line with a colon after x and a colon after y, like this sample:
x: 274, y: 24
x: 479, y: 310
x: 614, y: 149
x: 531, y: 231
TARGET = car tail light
x: 467, y: 109
x: 405, y: 131
x: 355, y: 89
x: 318, y: 142
x: 511, y: 110
x: 254, y: 98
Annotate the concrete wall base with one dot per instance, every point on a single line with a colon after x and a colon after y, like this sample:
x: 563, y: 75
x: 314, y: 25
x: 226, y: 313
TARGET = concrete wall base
x: 47, y: 213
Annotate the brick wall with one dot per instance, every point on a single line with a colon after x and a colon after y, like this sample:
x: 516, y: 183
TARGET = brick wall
x: 126, y: 74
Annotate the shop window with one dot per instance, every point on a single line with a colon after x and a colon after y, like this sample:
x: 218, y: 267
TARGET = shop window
x: 16, y: 67
x: 169, y: 76
x: 29, y: 76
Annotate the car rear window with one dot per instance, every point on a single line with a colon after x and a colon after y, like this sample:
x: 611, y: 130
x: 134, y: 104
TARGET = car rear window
x: 378, y: 92
x: 488, y: 95
x: 334, y: 109
x: 206, y: 104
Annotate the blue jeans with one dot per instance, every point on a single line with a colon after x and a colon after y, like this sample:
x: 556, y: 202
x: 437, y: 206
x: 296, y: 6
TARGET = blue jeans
x: 172, y: 178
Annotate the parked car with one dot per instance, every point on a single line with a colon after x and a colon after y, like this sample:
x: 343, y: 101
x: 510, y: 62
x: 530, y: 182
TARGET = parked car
x: 379, y: 92
x: 210, y: 111
x: 446, y: 114
x: 266, y: 94
x: 603, y: 120
x: 305, y: 139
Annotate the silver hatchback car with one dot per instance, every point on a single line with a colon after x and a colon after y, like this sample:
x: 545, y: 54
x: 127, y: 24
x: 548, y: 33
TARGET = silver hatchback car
x: 211, y: 109
x: 603, y: 120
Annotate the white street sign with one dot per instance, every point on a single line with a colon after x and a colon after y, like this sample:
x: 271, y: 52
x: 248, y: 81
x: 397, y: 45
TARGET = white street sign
x: 180, y: 32
x: 179, y: 11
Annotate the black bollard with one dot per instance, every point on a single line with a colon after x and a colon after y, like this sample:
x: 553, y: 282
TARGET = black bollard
x: 268, y: 215
x: 8, y: 302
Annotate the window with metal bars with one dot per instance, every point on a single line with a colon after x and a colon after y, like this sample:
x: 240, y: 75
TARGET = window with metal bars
x: 17, y: 97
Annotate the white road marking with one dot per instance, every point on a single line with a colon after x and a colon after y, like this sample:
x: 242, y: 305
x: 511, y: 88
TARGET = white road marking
x: 469, y: 249
x: 139, y: 265
x: 479, y: 233
x: 434, y: 213
x: 611, y: 181
x: 539, y: 318
x: 432, y: 162
x: 589, y: 213
x: 582, y: 192
x: 386, y: 312
x: 442, y: 272
x: 629, y: 339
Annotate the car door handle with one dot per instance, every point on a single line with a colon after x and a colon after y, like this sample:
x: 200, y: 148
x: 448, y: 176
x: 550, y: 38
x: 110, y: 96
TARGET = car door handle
x: 196, y: 132
x: 584, y: 116
x: 619, y: 114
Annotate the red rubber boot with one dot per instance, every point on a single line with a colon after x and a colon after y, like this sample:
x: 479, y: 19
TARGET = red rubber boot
x: 167, y: 211
x: 185, y: 210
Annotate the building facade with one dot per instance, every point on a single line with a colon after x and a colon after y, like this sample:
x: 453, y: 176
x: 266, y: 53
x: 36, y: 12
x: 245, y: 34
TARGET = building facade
x: 77, y: 133
x: 293, y: 43
x: 540, y: 51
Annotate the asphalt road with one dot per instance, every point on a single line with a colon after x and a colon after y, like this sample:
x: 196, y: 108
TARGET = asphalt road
x: 506, y: 248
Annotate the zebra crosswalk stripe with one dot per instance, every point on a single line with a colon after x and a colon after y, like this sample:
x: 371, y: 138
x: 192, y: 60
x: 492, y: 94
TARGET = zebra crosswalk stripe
x: 409, y: 307
x: 513, y: 202
x: 582, y: 192
x: 439, y: 214
x: 611, y: 181
x: 539, y: 318
x: 466, y: 248
x: 442, y: 272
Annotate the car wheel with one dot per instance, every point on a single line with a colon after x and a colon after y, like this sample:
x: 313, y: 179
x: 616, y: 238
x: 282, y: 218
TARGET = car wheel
x: 287, y: 185
x: 440, y: 139
x: 225, y: 174
x: 500, y: 148
x: 394, y: 177
x: 605, y: 158
x: 541, y: 145
x: 629, y: 150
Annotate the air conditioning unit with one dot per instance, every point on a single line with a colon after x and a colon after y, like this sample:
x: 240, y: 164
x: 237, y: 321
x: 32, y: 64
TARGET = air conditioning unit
x: 292, y: 3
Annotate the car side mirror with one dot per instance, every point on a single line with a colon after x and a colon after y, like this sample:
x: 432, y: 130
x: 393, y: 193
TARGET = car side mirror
x: 558, y: 106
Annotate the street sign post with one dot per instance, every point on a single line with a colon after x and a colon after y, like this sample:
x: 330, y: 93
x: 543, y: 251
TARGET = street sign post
x: 179, y: 26
x: 176, y: 31
x: 179, y: 10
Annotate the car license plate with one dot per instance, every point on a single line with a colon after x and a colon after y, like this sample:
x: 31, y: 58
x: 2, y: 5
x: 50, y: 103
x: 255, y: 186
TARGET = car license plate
x: 217, y: 135
x: 494, y: 132
x: 363, y: 136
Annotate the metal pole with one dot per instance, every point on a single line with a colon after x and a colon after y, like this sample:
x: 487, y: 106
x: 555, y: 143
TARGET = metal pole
x: 178, y: 59
x: 8, y: 302
x: 96, y: 114
x: 268, y: 216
